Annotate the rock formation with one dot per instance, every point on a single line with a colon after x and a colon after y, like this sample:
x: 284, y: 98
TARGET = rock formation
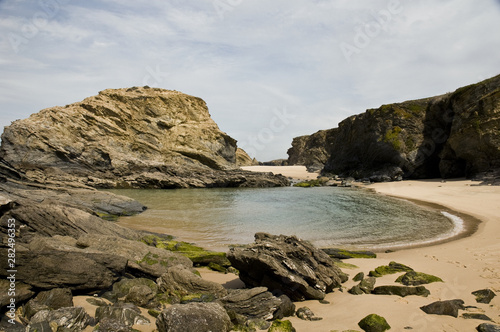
x: 452, y: 135
x: 287, y: 265
x: 137, y: 137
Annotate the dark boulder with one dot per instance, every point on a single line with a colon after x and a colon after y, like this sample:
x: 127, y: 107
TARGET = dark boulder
x: 485, y: 327
x: 199, y: 317
x: 48, y: 300
x: 365, y: 286
x: 305, y: 313
x: 288, y: 265
x: 413, y: 278
x: 448, y: 308
x: 286, y: 308
x: 484, y: 295
x: 475, y: 315
x: 23, y: 292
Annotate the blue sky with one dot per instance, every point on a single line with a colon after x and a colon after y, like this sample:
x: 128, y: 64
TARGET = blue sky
x: 268, y: 70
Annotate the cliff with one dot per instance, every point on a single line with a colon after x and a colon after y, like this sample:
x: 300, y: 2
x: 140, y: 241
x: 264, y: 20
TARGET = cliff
x: 137, y: 137
x: 453, y: 135
x: 313, y: 150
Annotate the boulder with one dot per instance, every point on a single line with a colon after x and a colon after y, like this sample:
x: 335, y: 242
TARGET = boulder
x: 123, y: 313
x: 123, y: 289
x: 286, y: 308
x: 255, y: 303
x: 448, y: 308
x: 485, y: 327
x: 180, y: 281
x: 48, y: 300
x: 374, y: 323
x: 414, y: 278
x: 281, y: 326
x: 365, y: 286
x: 358, y: 277
x: 392, y: 268
x: 401, y: 291
x: 475, y: 315
x: 288, y: 265
x: 484, y: 295
x: 72, y: 319
x: 200, y: 317
x: 305, y: 313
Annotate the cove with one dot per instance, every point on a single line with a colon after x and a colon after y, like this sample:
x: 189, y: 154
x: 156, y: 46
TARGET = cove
x: 351, y: 218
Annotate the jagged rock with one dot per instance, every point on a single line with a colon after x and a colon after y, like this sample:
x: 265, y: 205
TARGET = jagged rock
x: 485, y: 327
x: 95, y: 301
x: 365, y: 286
x: 255, y: 303
x: 374, y: 323
x: 182, y: 281
x: 200, y: 317
x: 112, y: 325
x: 140, y: 295
x: 136, y: 137
x: 288, y: 265
x: 124, y: 314
x: 484, y: 295
x: 449, y: 308
x: 281, y: 326
x: 72, y: 319
x: 48, y: 300
x: 413, y: 278
x: 84, y: 272
x: 243, y: 159
x: 401, y: 291
x: 305, y: 313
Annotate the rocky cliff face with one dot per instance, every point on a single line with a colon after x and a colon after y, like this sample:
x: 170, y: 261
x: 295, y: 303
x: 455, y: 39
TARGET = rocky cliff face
x: 136, y: 137
x: 313, y: 150
x: 453, y: 135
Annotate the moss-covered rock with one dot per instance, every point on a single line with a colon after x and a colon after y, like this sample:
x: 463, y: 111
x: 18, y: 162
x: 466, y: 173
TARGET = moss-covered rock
x: 413, y: 278
x: 392, y: 268
x: 311, y: 183
x: 281, y: 326
x: 346, y: 254
x: 401, y: 290
x: 374, y: 323
x: 198, y: 255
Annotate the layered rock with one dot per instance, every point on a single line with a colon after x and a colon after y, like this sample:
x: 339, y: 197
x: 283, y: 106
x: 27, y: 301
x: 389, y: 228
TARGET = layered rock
x: 136, y: 137
x: 452, y: 135
x: 287, y: 265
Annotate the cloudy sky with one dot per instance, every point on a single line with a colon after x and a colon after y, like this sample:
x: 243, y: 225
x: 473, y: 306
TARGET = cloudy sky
x: 268, y: 70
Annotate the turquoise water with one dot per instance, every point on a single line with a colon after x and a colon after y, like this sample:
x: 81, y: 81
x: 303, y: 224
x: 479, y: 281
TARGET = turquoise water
x: 326, y: 216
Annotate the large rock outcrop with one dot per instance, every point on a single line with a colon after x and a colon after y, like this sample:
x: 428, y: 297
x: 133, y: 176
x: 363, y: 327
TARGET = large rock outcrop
x: 137, y: 137
x: 313, y: 150
x: 453, y: 135
x: 287, y: 265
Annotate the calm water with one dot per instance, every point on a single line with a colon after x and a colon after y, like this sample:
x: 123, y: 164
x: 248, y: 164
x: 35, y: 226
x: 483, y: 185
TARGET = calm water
x: 327, y: 216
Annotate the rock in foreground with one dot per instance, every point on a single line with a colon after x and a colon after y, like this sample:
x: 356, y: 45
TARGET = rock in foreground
x: 200, y: 317
x: 287, y: 265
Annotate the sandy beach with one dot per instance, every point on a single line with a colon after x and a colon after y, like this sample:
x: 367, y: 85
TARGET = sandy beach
x: 465, y: 265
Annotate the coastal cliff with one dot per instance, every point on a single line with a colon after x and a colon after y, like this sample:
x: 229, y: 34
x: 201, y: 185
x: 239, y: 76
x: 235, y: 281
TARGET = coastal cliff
x: 136, y: 137
x: 313, y: 150
x: 452, y: 135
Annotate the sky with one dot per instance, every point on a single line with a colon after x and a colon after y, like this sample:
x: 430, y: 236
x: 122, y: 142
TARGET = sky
x: 269, y: 71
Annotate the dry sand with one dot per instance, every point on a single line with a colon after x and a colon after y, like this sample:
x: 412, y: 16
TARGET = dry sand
x: 295, y: 172
x: 466, y: 264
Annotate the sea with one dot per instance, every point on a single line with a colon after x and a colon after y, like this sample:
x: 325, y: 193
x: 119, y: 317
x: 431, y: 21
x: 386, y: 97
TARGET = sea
x: 329, y: 217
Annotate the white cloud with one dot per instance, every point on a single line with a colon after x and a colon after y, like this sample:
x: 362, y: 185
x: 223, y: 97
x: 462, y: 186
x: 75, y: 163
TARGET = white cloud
x: 250, y: 57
